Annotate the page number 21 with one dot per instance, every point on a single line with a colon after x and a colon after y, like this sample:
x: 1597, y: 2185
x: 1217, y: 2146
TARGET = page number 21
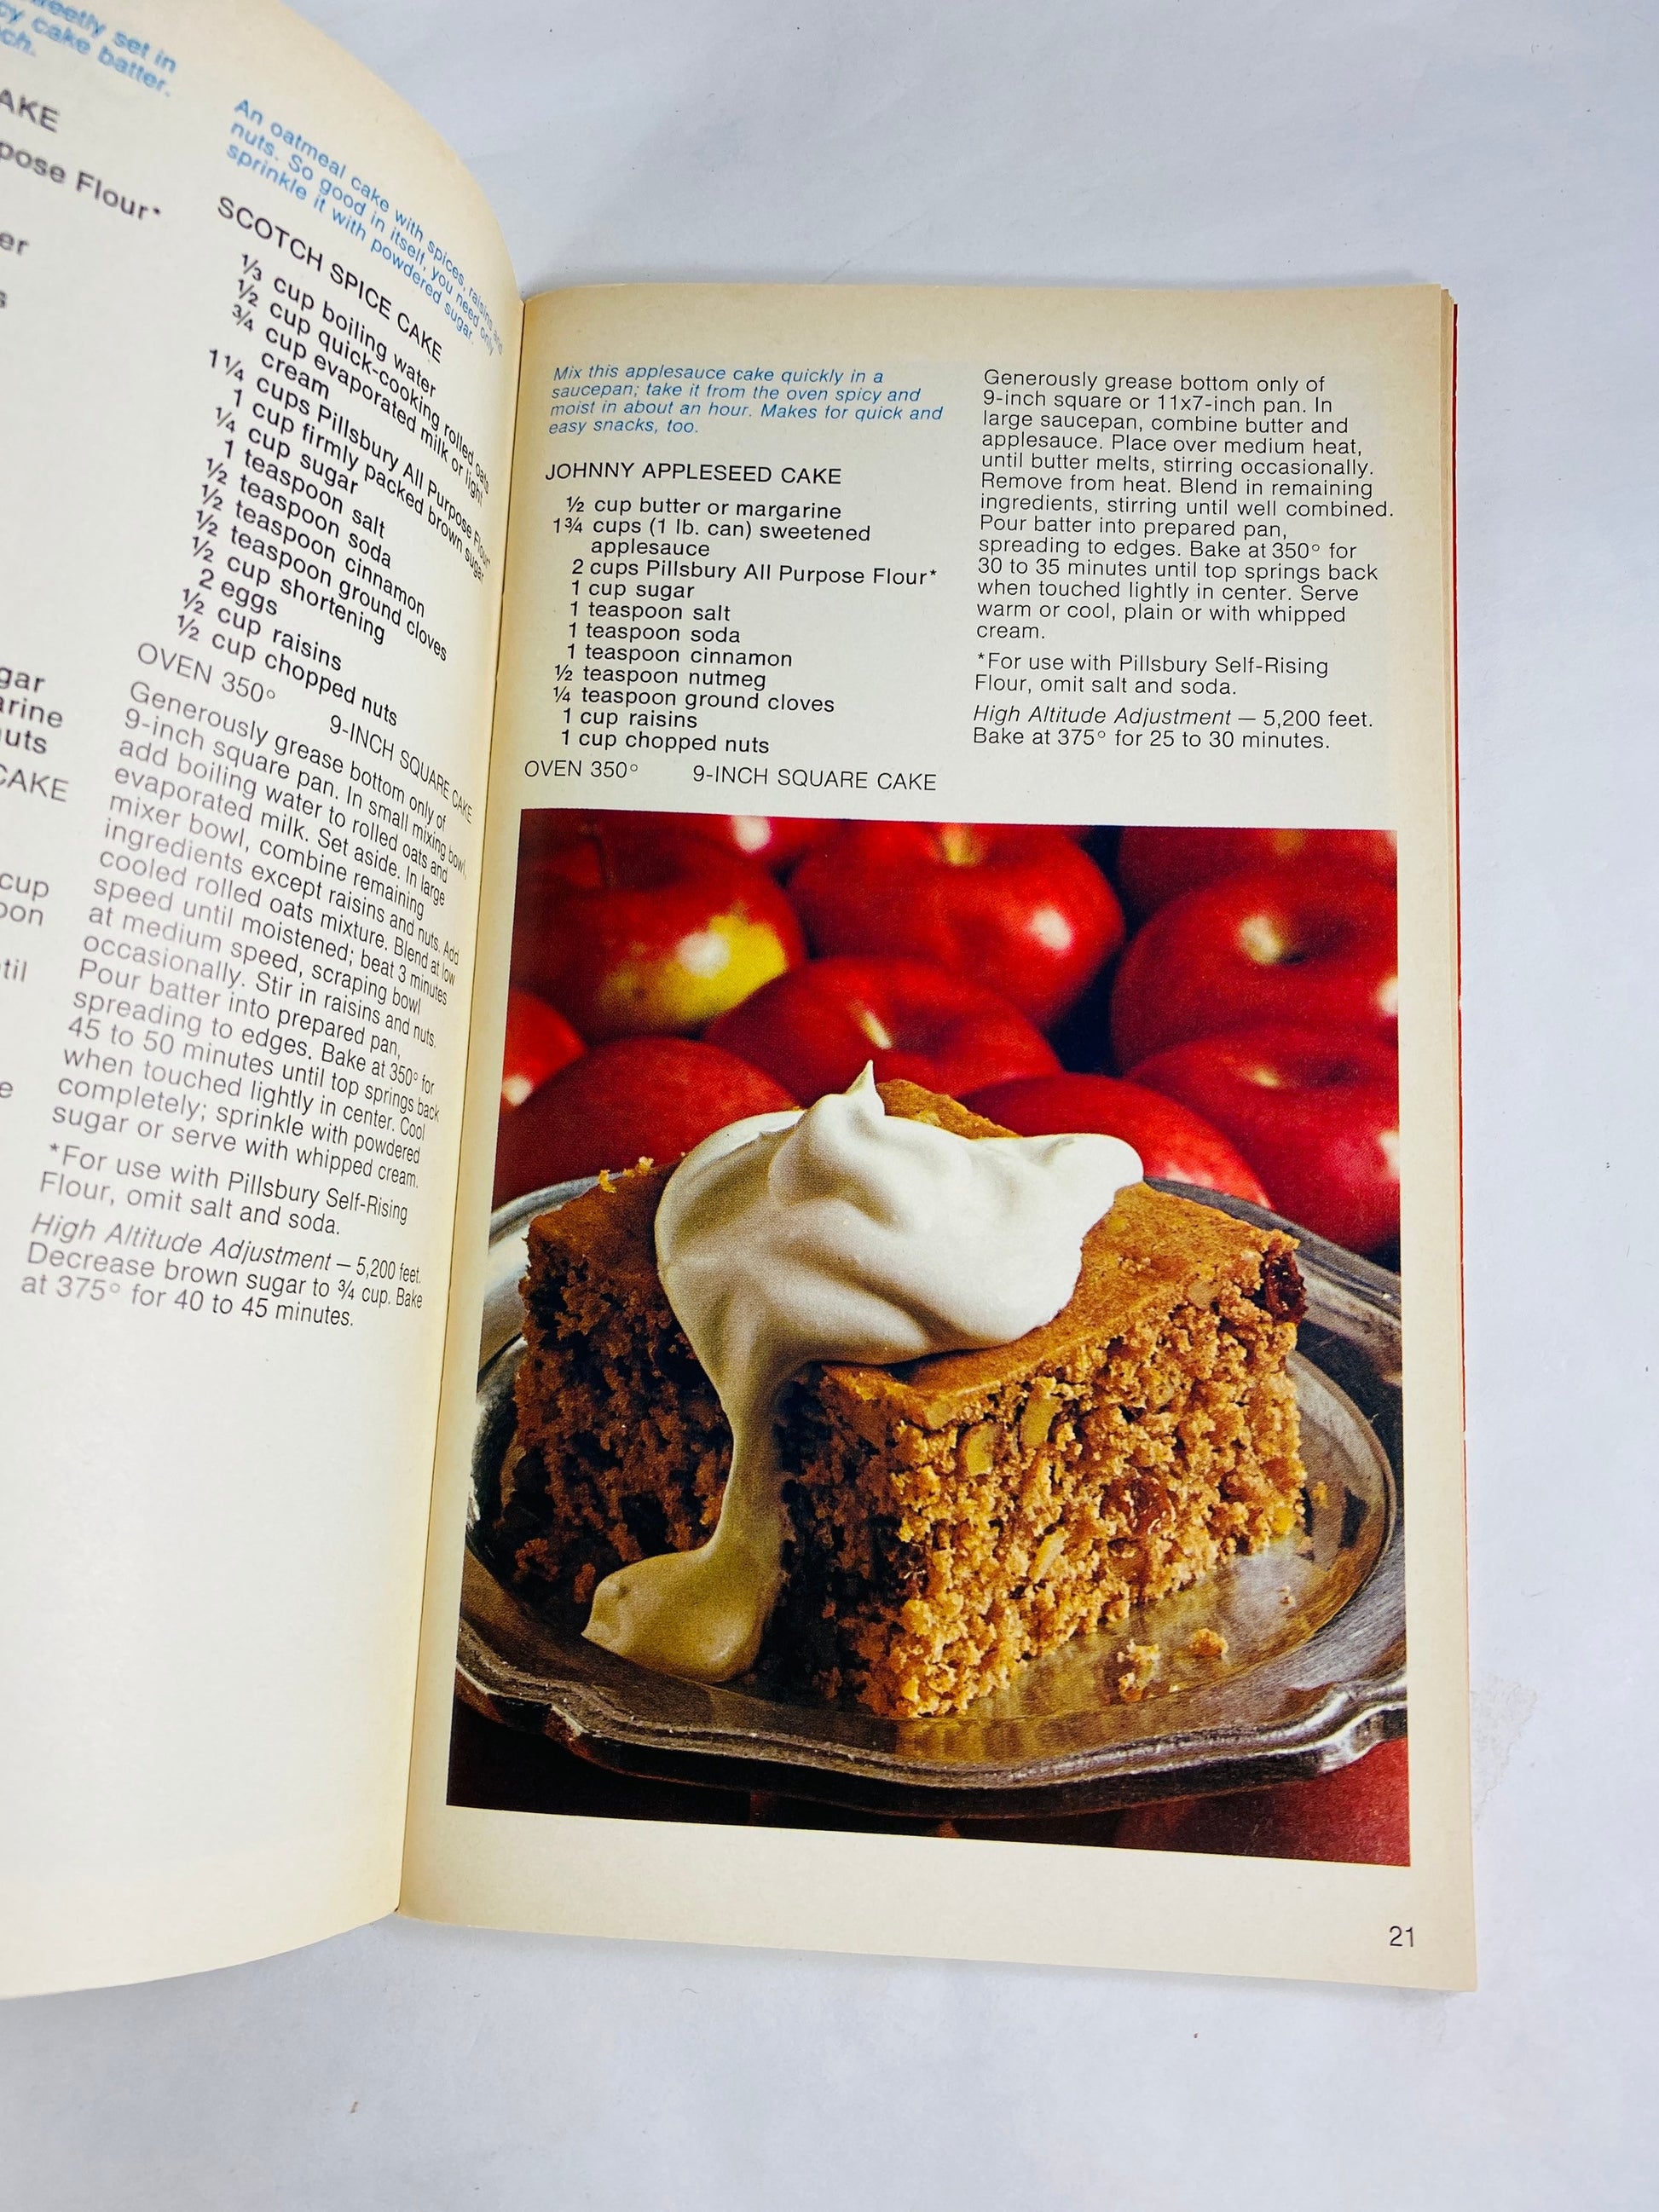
x: 1401, y: 1939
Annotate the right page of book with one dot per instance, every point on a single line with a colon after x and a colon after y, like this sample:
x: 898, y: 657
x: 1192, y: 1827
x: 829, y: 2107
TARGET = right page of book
x: 959, y: 1226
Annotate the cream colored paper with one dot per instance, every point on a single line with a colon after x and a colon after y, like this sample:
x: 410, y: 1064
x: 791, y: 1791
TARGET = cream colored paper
x: 905, y: 663
x: 212, y: 1520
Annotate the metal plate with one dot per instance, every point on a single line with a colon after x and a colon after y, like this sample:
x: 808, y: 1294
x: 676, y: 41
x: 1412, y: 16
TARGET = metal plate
x: 1312, y: 1676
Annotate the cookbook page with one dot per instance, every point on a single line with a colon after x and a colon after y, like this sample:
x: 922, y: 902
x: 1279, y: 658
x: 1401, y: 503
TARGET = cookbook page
x: 899, y: 1527
x: 260, y: 336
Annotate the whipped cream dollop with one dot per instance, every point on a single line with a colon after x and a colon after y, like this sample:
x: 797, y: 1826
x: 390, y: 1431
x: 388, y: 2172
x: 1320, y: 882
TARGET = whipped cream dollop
x: 840, y: 1233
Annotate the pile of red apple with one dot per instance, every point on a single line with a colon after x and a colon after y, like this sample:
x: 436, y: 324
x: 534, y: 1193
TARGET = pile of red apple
x: 672, y: 973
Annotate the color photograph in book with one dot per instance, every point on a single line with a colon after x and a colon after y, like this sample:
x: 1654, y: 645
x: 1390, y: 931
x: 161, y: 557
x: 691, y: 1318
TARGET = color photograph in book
x: 940, y: 1371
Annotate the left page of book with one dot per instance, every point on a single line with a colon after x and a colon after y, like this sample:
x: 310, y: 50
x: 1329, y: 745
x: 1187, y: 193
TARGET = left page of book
x: 260, y: 336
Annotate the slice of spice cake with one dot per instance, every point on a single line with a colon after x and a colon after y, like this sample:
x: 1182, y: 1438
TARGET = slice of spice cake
x: 954, y: 1517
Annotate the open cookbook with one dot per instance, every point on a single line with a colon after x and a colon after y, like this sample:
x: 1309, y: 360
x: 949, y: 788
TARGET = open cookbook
x: 729, y: 1132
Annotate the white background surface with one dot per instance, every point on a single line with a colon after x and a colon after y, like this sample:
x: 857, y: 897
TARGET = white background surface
x: 1507, y: 150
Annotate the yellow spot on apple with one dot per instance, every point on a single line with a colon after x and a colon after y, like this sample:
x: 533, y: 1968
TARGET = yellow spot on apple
x: 709, y: 971
x: 1388, y: 997
x: 1268, y: 1078
x: 962, y: 847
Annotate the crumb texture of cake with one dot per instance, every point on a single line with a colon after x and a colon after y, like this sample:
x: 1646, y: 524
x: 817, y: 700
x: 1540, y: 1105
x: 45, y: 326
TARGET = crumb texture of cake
x: 952, y: 1519
x: 623, y: 1450
x: 954, y: 1524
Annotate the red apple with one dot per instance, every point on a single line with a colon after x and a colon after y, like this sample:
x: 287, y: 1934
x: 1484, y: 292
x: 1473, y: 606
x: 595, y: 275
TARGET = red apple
x: 1311, y: 946
x: 1021, y: 911
x: 629, y: 934
x: 815, y: 1028
x: 1360, y: 1815
x: 539, y: 1041
x: 1316, y: 1113
x: 1172, y: 1141
x: 640, y: 1097
x: 776, y: 840
x: 1155, y: 865
x: 544, y: 829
